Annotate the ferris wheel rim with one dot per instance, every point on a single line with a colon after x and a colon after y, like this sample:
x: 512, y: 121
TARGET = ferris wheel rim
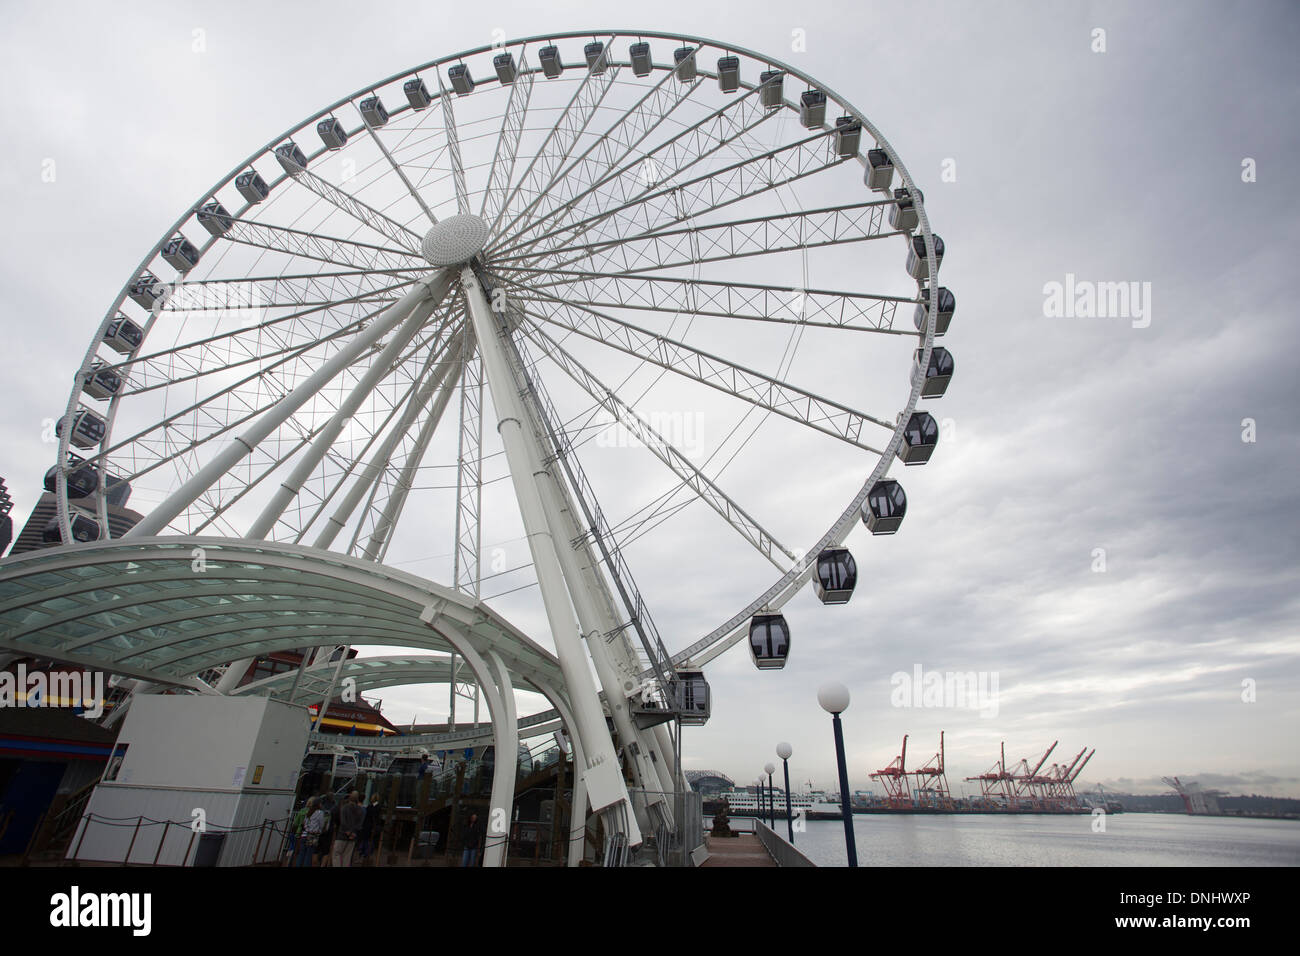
x: 726, y: 634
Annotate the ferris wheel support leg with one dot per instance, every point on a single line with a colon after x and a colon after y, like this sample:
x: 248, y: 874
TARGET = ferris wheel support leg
x: 339, y: 519
x: 603, y: 777
x: 578, y: 807
x: 321, y: 444
x: 434, y: 287
x: 497, y: 687
x: 377, y: 546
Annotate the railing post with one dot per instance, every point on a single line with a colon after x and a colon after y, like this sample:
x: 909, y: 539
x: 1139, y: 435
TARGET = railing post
x: 261, y: 834
x: 157, y: 854
x: 131, y: 846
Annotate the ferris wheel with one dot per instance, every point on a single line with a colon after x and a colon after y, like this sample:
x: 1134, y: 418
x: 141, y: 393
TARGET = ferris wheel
x: 658, y: 297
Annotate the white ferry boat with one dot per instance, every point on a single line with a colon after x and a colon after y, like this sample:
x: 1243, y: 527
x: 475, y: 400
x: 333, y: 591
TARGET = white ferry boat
x: 814, y: 804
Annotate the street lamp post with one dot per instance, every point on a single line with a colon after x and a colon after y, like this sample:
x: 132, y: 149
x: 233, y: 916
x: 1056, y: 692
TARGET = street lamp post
x: 771, y: 796
x: 834, y: 699
x: 783, y: 750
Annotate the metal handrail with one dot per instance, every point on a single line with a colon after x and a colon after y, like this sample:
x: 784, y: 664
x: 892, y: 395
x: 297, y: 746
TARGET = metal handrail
x: 781, y: 852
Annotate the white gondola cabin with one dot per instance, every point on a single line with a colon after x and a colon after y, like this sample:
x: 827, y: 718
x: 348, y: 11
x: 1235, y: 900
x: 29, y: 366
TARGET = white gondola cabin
x: 291, y: 158
x: 180, y: 254
x: 459, y: 77
x: 880, y: 171
x: 84, y: 528
x: 101, y: 382
x: 552, y: 65
x: 87, y: 428
x: 373, y: 112
x: 81, y: 481
x: 596, y: 63
x: 937, y: 373
x: 214, y: 218
x: 639, y: 54
x: 504, y: 64
x: 885, y: 508
x: 812, y: 109
x: 848, y: 134
x: 771, y: 85
x: 122, y: 335
x: 769, y: 641
x: 684, y: 63
x: 417, y: 94
x: 332, y: 133
x: 693, y: 702
x: 919, y: 438
x: 918, y: 264
x: 902, y: 215
x: 728, y: 73
x: 942, y: 318
x: 252, y: 186
x: 835, y: 576
x: 146, y: 291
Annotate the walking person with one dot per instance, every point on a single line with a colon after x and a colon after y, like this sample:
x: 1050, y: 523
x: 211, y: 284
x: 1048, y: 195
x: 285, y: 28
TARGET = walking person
x: 351, y: 816
x: 296, y: 823
x: 326, y: 841
x: 473, y: 841
x: 369, y: 829
x: 311, y: 832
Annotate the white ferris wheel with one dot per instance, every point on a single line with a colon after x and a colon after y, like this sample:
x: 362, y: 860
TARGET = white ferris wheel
x: 656, y: 297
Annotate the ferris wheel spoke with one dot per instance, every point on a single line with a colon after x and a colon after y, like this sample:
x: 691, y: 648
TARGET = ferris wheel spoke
x: 388, y: 495
x: 611, y: 148
x: 722, y: 129
x: 397, y: 167
x: 787, y: 400
x: 718, y: 242
x: 436, y: 366
x: 215, y: 354
x: 295, y: 436
x: 272, y: 382
x: 502, y: 170
x: 303, y: 244
x: 823, y: 308
x: 560, y: 140
x: 453, y: 147
x: 345, y: 202
x: 467, y: 567
x: 382, y: 363
x: 691, y: 477
x: 657, y: 209
x: 284, y: 291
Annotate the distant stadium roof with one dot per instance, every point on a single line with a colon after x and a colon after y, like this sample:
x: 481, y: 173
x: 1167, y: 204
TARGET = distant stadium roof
x: 709, y: 780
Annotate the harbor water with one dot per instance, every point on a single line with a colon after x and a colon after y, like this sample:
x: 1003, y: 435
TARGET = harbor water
x: 1129, y: 839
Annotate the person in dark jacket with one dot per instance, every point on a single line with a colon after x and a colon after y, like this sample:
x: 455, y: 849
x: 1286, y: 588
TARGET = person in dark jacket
x: 351, y: 816
x: 370, y: 827
x: 473, y: 841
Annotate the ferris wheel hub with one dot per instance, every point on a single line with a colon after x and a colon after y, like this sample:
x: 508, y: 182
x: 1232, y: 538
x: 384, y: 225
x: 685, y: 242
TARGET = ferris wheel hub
x: 455, y: 240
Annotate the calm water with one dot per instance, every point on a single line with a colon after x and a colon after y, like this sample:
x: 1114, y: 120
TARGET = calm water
x: 1131, y: 839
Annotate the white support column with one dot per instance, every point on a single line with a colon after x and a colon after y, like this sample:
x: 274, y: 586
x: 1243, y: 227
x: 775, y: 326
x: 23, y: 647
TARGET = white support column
x: 505, y: 737
x: 604, y: 777
x: 578, y: 808
x: 434, y: 287
x: 377, y: 546
x: 339, y: 519
x: 505, y: 731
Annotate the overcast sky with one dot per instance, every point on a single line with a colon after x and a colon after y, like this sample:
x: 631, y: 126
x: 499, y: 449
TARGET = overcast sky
x: 1067, y: 433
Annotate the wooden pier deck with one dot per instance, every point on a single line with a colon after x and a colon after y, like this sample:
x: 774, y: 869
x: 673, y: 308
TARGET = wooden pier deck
x: 744, y: 850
